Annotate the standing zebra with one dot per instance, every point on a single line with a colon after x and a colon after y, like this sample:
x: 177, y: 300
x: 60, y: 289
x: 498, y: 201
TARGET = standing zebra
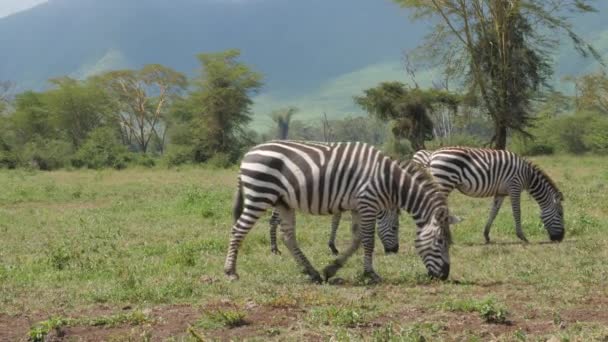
x: 388, y: 231
x: 481, y: 172
x: 321, y: 179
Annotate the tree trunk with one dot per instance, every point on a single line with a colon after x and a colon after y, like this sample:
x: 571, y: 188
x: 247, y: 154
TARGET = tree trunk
x: 500, y: 138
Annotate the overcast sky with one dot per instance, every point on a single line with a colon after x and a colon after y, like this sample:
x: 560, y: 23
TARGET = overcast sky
x: 8, y: 7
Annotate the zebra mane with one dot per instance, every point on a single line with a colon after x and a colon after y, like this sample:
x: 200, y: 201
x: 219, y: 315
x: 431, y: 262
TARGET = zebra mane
x: 536, y: 169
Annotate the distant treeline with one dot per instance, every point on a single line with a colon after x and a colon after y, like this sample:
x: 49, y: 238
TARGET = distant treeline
x: 155, y: 115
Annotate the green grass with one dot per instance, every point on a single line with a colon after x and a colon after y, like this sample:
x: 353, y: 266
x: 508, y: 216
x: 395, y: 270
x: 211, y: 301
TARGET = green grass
x: 72, y: 241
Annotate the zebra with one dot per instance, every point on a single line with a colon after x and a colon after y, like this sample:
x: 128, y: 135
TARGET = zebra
x: 480, y: 172
x: 422, y: 157
x: 324, y: 178
x: 388, y: 231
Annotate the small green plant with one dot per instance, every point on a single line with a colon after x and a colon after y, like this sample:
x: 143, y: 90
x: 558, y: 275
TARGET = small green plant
x: 493, y: 314
x: 223, y: 318
x: 40, y: 330
x: 337, y: 316
x: 488, y: 309
x: 132, y: 318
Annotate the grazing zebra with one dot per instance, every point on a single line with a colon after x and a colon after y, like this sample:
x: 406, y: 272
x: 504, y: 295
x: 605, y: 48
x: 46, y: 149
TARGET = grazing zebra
x: 321, y: 179
x: 481, y: 172
x: 388, y: 231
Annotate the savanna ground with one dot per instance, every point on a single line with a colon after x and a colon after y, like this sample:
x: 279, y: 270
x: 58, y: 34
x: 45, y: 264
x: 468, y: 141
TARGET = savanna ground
x: 138, y: 255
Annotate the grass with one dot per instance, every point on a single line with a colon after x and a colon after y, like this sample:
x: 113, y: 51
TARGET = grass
x: 75, y: 241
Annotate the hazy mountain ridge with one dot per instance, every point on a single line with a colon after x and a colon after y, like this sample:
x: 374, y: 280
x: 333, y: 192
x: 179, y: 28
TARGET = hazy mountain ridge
x: 315, y: 54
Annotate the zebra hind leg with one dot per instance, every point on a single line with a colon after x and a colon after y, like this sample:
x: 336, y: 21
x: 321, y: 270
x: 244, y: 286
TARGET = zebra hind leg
x: 335, y: 223
x: 241, y: 227
x: 288, y: 232
x: 331, y: 269
x: 275, y: 220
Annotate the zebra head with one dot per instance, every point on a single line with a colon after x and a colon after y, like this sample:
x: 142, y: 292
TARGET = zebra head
x: 552, y: 215
x: 433, y: 241
x: 388, y: 229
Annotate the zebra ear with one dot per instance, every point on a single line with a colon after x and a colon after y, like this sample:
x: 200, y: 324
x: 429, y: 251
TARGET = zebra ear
x: 455, y: 219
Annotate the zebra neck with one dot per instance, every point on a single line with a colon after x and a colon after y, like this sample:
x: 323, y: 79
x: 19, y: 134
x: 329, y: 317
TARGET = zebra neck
x: 418, y: 194
x: 540, y: 188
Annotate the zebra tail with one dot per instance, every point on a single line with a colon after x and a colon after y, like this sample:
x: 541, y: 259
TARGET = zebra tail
x: 237, y: 208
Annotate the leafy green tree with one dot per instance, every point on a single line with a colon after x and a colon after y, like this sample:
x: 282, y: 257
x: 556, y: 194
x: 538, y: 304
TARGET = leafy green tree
x: 77, y: 108
x: 143, y: 97
x: 31, y: 118
x: 500, y: 49
x: 221, y: 105
x: 408, y: 109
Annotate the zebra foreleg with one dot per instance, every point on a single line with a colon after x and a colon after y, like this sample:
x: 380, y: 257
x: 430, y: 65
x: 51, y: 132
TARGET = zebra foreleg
x: 335, y: 223
x: 515, y: 204
x: 331, y: 269
x: 368, y: 221
x: 275, y: 220
x: 288, y: 232
x: 493, y: 212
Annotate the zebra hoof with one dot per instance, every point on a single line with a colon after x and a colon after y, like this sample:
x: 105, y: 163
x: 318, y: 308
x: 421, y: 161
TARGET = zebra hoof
x: 232, y: 276
x: 523, y: 238
x: 330, y: 271
x: 275, y: 251
x: 316, y: 278
x: 333, y: 248
x: 372, y: 277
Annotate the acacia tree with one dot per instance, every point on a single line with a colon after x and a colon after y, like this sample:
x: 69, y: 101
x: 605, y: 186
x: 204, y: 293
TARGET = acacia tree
x: 408, y: 109
x: 500, y: 49
x: 143, y: 97
x: 221, y: 104
x: 592, y: 92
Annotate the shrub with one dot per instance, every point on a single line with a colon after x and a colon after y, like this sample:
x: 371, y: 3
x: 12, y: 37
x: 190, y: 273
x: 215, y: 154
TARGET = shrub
x: 220, y: 161
x: 178, y: 154
x: 46, y: 154
x: 140, y: 159
x: 8, y: 159
x: 102, y: 149
x: 530, y: 146
x: 455, y: 140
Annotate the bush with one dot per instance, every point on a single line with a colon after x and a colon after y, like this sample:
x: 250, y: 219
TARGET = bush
x: 455, y: 140
x: 220, y: 161
x: 8, y: 159
x: 144, y: 160
x: 46, y: 154
x: 102, y: 149
x: 398, y: 148
x: 596, y: 135
x: 530, y: 146
x: 178, y: 154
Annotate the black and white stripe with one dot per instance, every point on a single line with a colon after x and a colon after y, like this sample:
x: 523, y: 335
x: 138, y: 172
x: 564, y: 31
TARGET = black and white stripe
x: 481, y: 172
x: 422, y: 157
x: 388, y: 231
x: 322, y: 179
